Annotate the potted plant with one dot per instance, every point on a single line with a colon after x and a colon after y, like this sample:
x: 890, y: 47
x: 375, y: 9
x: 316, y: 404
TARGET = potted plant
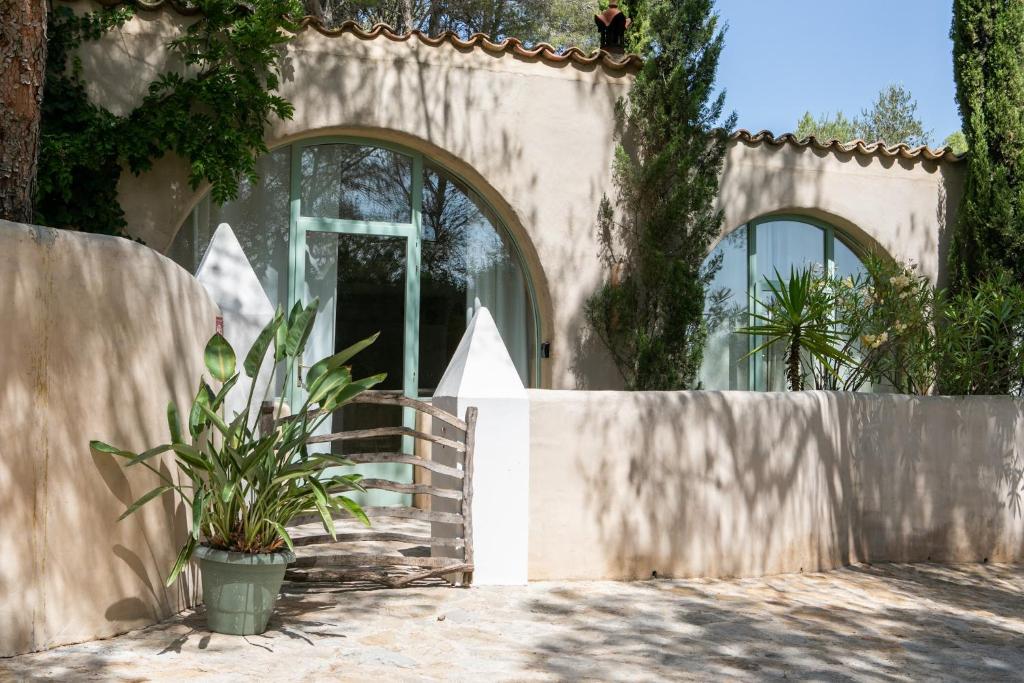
x: 246, y: 480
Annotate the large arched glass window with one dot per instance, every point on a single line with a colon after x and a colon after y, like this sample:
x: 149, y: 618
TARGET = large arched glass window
x: 748, y: 255
x: 389, y: 242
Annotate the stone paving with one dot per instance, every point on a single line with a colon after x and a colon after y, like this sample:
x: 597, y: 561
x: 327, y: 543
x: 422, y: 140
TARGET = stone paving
x: 865, y: 623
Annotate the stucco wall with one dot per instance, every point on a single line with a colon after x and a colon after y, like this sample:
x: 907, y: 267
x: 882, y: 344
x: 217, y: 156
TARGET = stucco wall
x: 721, y: 484
x: 900, y: 207
x: 98, y: 334
x: 536, y: 139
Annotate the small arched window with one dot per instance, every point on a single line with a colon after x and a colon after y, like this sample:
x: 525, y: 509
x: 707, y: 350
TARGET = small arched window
x: 749, y: 254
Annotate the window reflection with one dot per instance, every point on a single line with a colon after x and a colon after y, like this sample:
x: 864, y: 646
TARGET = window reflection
x: 466, y: 259
x: 776, y: 246
x: 356, y: 182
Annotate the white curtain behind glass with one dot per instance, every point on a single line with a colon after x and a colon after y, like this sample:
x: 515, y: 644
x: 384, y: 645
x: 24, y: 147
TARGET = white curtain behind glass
x: 495, y: 279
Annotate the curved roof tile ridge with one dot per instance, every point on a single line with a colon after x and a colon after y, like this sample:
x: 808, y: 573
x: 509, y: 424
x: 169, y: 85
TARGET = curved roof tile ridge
x: 543, y: 51
x: 877, y: 149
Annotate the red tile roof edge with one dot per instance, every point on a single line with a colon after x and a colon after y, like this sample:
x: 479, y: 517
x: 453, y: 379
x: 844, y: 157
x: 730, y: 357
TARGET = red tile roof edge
x: 541, y: 51
x: 875, y: 149
x: 548, y: 53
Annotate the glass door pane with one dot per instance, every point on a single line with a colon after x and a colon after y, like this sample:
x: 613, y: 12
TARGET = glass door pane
x: 360, y: 282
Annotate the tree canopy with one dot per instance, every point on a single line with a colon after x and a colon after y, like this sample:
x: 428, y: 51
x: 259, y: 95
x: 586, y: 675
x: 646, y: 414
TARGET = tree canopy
x: 563, y: 23
x: 988, y: 64
x: 657, y: 232
x: 892, y: 118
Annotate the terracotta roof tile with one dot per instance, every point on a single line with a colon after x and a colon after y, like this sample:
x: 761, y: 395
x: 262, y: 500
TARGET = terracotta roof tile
x: 541, y: 51
x: 876, y: 149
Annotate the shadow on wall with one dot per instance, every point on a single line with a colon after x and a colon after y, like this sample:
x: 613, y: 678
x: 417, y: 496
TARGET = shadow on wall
x: 100, y: 333
x: 721, y: 484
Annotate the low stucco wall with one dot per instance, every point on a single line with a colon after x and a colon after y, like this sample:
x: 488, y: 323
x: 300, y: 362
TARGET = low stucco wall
x: 98, y: 334
x: 720, y: 484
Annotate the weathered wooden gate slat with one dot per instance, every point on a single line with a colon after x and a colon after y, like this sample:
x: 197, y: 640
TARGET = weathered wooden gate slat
x: 361, y: 536
x: 390, y: 569
x: 378, y: 432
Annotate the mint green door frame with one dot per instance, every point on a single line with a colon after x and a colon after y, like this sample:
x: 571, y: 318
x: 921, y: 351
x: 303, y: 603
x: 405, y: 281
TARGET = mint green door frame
x: 757, y: 376
x: 299, y: 225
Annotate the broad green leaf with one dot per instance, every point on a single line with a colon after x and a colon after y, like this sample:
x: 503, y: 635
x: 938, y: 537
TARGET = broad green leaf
x: 338, y: 359
x: 215, y: 419
x: 197, y: 419
x: 146, y: 455
x: 283, y: 533
x: 173, y: 423
x: 299, y: 329
x: 258, y: 351
x: 198, y: 505
x: 321, y: 501
x: 192, y: 456
x: 220, y: 358
x: 350, y: 391
x: 281, y: 336
x: 107, y: 448
x: 183, y: 557
x: 222, y: 395
x: 159, y: 490
x: 329, y: 383
x: 354, y: 508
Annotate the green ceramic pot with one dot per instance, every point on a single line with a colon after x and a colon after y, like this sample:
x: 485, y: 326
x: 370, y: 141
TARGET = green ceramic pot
x: 240, y: 589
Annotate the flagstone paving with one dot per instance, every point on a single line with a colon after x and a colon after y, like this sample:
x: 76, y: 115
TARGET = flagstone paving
x: 865, y: 623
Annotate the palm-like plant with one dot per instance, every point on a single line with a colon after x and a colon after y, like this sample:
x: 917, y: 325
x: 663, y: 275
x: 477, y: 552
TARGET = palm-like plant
x: 800, y: 316
x: 247, y: 481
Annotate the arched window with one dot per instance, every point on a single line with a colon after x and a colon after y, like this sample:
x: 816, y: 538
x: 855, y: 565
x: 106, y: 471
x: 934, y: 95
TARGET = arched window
x: 748, y: 255
x: 389, y: 241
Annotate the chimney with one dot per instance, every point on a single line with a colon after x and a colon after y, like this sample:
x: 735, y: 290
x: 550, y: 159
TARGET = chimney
x: 612, y: 25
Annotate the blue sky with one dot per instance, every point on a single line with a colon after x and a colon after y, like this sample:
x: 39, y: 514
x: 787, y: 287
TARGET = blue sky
x: 785, y: 57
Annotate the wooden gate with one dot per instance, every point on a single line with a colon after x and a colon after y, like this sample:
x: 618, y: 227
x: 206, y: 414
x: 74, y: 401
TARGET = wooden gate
x: 321, y: 558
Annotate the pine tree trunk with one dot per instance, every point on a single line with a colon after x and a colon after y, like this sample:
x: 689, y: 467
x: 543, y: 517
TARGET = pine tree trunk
x: 22, y: 72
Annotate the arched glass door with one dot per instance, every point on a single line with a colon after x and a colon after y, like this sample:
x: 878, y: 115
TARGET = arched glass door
x: 389, y: 242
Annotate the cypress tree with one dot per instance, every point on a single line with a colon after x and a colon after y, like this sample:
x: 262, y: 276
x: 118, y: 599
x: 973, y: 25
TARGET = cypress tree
x: 988, y: 62
x: 658, y: 232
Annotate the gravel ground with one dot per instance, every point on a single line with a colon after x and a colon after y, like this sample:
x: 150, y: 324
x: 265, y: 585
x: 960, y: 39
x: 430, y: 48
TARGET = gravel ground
x: 864, y: 623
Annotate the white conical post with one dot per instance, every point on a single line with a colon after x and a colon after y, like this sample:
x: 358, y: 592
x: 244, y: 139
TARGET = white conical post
x: 482, y: 374
x: 233, y: 285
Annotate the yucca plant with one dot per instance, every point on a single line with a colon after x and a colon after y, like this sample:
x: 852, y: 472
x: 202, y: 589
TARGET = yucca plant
x: 800, y: 316
x: 247, y: 481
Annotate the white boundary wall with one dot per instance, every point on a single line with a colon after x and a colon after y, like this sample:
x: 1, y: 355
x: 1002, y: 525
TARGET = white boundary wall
x: 719, y: 484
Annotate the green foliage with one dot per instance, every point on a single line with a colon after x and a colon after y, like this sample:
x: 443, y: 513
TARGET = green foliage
x: 887, y: 319
x: 211, y: 114
x: 658, y: 233
x: 891, y: 329
x: 892, y: 118
x: 957, y: 142
x: 982, y: 340
x: 988, y: 63
x: 247, y: 483
x: 826, y: 127
x: 79, y: 157
x: 799, y: 316
x: 563, y: 23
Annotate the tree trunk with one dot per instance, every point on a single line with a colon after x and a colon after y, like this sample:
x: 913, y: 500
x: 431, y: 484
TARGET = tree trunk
x: 22, y: 72
x: 793, y: 370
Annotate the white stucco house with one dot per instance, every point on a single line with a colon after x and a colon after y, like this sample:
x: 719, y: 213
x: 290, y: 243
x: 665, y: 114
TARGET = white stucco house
x: 423, y: 174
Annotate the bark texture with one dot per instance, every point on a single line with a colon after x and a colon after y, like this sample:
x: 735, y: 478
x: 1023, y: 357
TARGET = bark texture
x: 22, y: 72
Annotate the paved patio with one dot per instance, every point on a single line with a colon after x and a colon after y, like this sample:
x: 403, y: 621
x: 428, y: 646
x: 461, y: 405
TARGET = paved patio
x: 885, y: 622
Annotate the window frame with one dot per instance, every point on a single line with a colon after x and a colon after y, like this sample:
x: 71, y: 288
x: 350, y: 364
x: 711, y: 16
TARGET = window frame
x: 412, y: 231
x: 756, y: 378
